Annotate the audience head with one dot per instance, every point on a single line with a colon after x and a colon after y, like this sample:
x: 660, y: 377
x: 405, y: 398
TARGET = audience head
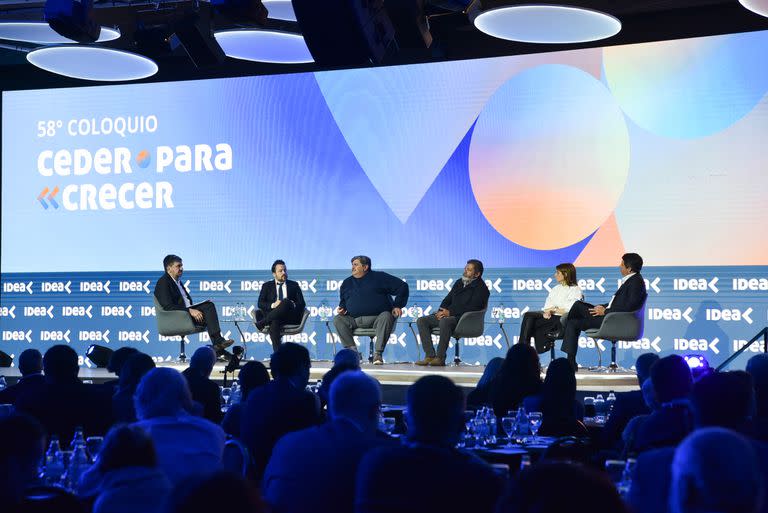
x: 118, y: 359
x: 559, y: 389
x: 204, y: 493
x: 21, y: 451
x: 649, y: 395
x: 60, y: 363
x: 252, y: 375
x: 134, y: 369
x: 203, y: 360
x: 291, y: 361
x: 477, y: 268
x: 355, y: 396
x: 521, y: 372
x: 555, y: 487
x: 162, y: 392
x: 643, y: 366
x: 568, y: 271
x: 724, y: 399
x: 757, y: 367
x: 632, y: 262
x: 30, y: 362
x: 715, y: 469
x: 435, y: 411
x: 671, y: 378
x: 126, y: 446
x: 347, y: 358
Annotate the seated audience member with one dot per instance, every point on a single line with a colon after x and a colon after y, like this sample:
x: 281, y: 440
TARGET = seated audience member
x: 715, y: 469
x: 21, y: 453
x: 561, y: 412
x: 185, y: 444
x: 219, y: 491
x: 345, y: 359
x: 757, y: 367
x: 518, y: 378
x: 63, y: 402
x: 31, y: 369
x: 540, y: 324
x: 116, y: 362
x: 322, y: 461
x: 468, y: 294
x: 130, y: 480
x: 251, y: 376
x: 558, y: 487
x: 480, y: 396
x: 429, y: 460
x: 281, y: 406
x: 133, y: 370
x: 628, y: 404
x: 204, y: 390
x: 672, y: 383
x: 718, y: 400
x: 630, y: 431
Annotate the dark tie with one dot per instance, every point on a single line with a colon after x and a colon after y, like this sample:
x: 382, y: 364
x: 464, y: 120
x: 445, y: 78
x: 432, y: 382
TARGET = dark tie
x: 280, y: 291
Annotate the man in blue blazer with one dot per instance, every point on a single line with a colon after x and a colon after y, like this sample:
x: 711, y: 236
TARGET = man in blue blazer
x: 280, y: 302
x: 630, y: 297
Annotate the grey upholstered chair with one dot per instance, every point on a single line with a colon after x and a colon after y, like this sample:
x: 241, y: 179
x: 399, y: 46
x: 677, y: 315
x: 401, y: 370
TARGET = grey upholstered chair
x: 371, y: 334
x: 287, y: 329
x: 470, y: 325
x: 175, y: 323
x: 619, y: 326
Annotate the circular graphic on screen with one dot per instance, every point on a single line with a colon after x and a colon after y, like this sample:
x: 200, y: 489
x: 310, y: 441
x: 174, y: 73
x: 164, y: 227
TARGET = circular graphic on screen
x: 549, y: 157
x: 688, y: 88
x: 143, y: 159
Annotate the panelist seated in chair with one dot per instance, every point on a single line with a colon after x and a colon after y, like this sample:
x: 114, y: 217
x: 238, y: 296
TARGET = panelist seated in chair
x: 628, y: 298
x: 545, y: 325
x: 172, y: 295
x: 365, y: 301
x: 281, y: 302
x: 468, y: 294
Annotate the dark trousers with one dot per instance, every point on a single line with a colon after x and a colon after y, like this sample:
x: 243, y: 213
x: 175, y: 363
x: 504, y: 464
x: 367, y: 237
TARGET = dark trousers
x: 579, y: 319
x: 535, y: 325
x: 446, y: 325
x: 284, y: 313
x: 210, y: 320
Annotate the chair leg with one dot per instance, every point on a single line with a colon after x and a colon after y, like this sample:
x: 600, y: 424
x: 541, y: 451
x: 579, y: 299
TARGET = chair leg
x: 370, y: 351
x: 182, y: 353
x: 552, y: 352
x: 456, y: 358
x: 613, y: 366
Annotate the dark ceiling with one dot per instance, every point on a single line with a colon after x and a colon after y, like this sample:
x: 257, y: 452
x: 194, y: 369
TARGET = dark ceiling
x: 454, y: 37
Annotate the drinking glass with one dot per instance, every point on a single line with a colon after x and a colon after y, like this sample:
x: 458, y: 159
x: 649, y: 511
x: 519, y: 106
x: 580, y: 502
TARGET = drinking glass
x: 226, y: 393
x: 508, y: 423
x: 535, y: 419
x: 93, y: 446
x: 615, y: 470
x: 389, y: 425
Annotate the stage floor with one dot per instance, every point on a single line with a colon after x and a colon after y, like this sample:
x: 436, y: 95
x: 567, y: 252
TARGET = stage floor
x: 401, y: 374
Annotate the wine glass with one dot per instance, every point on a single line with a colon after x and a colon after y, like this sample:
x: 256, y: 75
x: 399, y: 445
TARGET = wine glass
x: 226, y: 393
x: 535, y: 419
x: 389, y: 425
x: 93, y: 446
x: 508, y: 423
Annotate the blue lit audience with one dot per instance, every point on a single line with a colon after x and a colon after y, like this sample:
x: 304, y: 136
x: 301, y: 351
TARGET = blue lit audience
x: 134, y: 368
x: 562, y: 414
x: 518, y: 378
x: 251, y: 376
x: 21, y: 451
x: 345, y: 359
x: 205, y: 391
x: 31, y: 370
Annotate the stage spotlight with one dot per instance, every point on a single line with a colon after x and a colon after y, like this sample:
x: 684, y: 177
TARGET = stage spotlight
x: 72, y: 19
x: 698, y: 364
x: 5, y: 359
x: 99, y: 355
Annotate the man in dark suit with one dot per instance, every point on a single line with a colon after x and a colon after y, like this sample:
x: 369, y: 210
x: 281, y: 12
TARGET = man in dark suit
x: 172, y: 295
x: 204, y: 390
x: 281, y: 406
x: 468, y: 294
x: 31, y: 369
x: 583, y: 316
x: 280, y: 302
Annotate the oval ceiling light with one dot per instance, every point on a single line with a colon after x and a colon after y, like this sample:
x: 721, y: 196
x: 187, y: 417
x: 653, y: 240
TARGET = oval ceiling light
x: 38, y: 32
x: 93, y: 63
x: 280, y: 10
x: 757, y: 6
x: 547, y: 24
x: 269, y: 46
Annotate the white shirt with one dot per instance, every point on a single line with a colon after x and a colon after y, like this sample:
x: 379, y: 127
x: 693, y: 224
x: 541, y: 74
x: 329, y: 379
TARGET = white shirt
x: 285, y: 290
x: 183, y: 291
x: 623, y: 281
x: 563, y: 296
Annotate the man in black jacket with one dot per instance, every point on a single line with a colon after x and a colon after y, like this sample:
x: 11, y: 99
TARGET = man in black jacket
x: 172, y: 295
x: 31, y: 369
x: 280, y: 302
x: 468, y: 294
x: 630, y: 297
